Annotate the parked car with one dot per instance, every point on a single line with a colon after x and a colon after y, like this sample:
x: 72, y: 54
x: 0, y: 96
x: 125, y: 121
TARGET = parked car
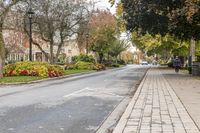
x: 144, y: 63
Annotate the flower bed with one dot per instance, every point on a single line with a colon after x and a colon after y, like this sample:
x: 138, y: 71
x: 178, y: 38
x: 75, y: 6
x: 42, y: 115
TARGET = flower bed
x: 40, y: 69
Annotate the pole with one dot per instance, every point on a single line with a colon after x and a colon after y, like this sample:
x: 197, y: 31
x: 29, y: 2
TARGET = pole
x: 87, y: 37
x: 30, y: 40
x: 87, y: 46
x: 191, y: 52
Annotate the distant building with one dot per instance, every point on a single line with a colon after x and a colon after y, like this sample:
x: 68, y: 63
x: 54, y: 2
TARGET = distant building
x: 17, y: 45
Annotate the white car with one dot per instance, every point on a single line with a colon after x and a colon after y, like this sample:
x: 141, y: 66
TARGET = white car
x: 144, y: 63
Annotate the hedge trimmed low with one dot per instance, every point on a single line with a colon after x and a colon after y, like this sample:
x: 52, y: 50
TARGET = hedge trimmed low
x: 40, y: 69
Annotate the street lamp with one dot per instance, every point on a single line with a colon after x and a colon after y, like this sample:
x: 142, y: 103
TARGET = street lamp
x: 30, y: 16
x: 87, y: 37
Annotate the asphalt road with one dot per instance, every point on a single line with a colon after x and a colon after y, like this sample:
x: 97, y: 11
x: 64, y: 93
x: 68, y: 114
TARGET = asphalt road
x: 73, y: 105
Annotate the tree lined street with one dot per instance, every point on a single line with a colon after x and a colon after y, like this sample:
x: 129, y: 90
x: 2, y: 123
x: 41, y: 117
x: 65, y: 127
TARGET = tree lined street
x: 73, y: 105
x: 91, y: 70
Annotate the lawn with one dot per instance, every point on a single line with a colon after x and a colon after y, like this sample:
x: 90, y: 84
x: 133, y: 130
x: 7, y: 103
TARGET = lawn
x: 17, y: 79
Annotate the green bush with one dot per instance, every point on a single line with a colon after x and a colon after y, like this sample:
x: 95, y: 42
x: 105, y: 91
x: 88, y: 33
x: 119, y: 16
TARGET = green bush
x: 41, y: 69
x: 100, y: 67
x: 170, y: 64
x: 190, y: 70
x: 84, y: 65
x: 115, y: 65
x: 121, y: 62
x: 70, y: 67
x: 84, y: 58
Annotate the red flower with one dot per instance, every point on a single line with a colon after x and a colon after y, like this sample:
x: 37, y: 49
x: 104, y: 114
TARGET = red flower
x: 24, y: 73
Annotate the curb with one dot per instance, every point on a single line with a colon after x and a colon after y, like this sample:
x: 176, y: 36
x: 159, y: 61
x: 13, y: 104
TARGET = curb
x: 123, y: 120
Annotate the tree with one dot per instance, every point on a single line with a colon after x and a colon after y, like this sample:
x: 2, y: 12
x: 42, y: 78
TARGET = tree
x: 82, y: 37
x: 180, y: 17
x: 184, y: 21
x: 83, y: 30
x: 117, y: 47
x: 55, y: 22
x: 127, y: 56
x: 12, y: 40
x: 165, y: 46
x: 4, y: 9
x: 102, y: 30
x: 102, y: 42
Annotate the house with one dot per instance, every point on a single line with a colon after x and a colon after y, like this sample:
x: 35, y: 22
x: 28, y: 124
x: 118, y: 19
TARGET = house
x: 17, y: 45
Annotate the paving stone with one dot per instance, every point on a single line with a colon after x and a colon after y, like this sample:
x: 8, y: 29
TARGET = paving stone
x: 158, y: 109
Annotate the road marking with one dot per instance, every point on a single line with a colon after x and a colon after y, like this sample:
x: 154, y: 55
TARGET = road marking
x: 11, y: 129
x: 88, y: 89
x: 40, y: 127
x: 76, y: 92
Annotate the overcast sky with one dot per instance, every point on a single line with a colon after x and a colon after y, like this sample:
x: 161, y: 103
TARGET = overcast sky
x: 104, y: 4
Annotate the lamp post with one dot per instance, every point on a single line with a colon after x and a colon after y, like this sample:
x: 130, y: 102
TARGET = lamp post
x: 87, y: 37
x: 30, y: 16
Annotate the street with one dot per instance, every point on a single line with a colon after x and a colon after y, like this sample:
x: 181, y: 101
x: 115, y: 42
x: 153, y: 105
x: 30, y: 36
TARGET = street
x: 73, y: 105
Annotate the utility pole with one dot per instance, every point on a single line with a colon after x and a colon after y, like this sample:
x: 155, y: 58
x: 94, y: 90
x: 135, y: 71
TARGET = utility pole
x: 30, y: 16
x: 87, y: 39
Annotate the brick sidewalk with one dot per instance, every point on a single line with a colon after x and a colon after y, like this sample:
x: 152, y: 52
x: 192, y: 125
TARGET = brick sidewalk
x: 155, y: 108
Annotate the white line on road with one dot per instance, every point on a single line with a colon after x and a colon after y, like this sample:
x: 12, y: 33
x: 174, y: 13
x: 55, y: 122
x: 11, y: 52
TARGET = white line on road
x: 88, y: 89
x: 76, y: 92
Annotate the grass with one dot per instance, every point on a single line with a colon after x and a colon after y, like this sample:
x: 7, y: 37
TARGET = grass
x: 17, y: 79
x: 68, y: 72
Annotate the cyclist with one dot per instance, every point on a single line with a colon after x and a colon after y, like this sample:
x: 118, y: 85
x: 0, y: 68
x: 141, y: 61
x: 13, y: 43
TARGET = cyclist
x: 177, y: 64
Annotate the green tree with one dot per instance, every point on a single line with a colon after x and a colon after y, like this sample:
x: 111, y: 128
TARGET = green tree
x: 102, y: 43
x: 102, y: 29
x: 117, y: 47
x: 165, y: 46
x: 180, y: 18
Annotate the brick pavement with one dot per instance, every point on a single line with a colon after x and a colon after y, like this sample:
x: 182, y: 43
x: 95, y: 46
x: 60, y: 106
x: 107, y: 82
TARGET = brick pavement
x: 187, y: 88
x: 155, y: 108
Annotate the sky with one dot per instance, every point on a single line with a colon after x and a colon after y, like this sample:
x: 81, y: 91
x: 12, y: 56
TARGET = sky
x: 104, y: 4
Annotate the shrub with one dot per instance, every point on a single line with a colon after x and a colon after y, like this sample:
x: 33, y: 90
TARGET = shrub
x: 122, y: 62
x: 115, y: 65
x: 24, y: 73
x: 100, y: 67
x: 84, y: 58
x: 190, y: 70
x: 9, y: 70
x: 84, y: 65
x: 108, y: 63
x: 70, y: 67
x: 41, y: 69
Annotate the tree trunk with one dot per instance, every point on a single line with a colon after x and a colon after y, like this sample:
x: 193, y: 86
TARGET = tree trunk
x: 100, y: 58
x: 2, y: 51
x: 57, y: 54
x: 1, y: 67
x: 40, y: 48
x: 191, y: 52
x: 59, y: 50
x: 51, y: 53
x: 116, y: 60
